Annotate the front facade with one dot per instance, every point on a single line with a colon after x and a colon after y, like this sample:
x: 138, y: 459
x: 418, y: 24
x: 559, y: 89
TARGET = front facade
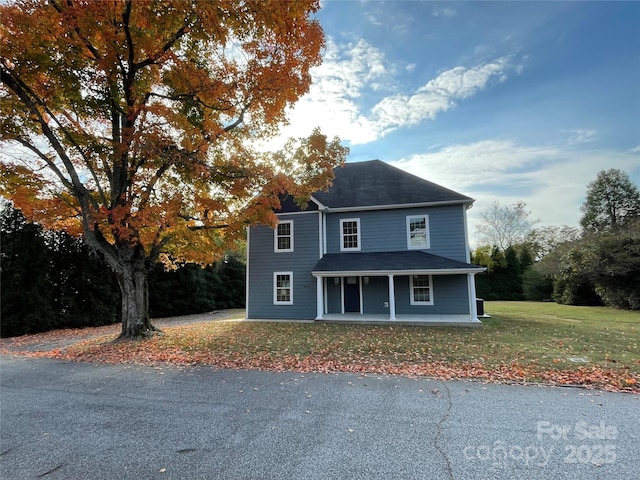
x: 380, y: 245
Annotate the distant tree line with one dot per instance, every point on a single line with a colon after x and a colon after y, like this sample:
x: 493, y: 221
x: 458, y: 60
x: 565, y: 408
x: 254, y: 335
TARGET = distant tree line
x: 505, y: 271
x: 597, y: 265
x: 52, y: 280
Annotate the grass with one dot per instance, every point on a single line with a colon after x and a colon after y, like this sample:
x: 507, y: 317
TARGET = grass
x: 522, y: 342
x: 549, y: 334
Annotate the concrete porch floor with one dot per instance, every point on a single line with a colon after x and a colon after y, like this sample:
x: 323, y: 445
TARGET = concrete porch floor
x: 422, y: 320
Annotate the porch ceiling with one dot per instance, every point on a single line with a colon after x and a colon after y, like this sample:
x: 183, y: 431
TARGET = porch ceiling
x: 383, y: 263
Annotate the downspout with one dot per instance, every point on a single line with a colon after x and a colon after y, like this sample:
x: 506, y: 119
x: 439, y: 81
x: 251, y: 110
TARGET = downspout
x: 466, y: 232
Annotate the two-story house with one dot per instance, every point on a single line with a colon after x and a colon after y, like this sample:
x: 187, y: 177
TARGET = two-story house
x: 380, y: 245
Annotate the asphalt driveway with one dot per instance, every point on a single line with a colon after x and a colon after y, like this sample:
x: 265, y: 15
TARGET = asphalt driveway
x: 66, y: 337
x: 78, y: 421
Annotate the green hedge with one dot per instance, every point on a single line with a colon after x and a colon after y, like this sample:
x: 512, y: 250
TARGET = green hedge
x: 51, y: 280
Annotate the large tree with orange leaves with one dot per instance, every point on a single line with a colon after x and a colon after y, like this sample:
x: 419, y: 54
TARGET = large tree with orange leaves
x: 133, y: 123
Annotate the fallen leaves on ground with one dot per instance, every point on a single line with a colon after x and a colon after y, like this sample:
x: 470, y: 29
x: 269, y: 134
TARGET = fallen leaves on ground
x: 55, y: 336
x: 242, y: 345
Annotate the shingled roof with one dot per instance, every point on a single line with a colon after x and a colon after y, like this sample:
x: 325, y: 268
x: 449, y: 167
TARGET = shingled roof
x: 376, y: 183
x: 376, y: 262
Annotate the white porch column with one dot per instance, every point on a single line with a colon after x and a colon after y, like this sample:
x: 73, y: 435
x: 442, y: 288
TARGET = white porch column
x: 473, y: 307
x: 319, y: 298
x: 392, y: 299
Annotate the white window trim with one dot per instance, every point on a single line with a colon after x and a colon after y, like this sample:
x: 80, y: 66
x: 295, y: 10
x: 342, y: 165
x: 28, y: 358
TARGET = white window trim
x: 275, y: 288
x: 342, y: 247
x: 427, y: 233
x: 414, y: 302
x: 275, y: 237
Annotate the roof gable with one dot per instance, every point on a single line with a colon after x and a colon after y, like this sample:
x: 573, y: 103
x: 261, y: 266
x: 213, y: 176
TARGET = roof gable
x: 288, y: 205
x: 376, y: 184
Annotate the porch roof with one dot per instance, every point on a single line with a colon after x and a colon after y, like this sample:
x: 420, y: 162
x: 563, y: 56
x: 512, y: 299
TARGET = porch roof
x: 409, y: 262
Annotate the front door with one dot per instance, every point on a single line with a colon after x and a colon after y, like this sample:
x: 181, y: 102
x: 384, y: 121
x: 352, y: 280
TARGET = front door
x: 352, y: 295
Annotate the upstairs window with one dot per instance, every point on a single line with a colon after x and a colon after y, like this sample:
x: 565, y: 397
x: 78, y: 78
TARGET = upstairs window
x: 418, y: 232
x: 283, y: 288
x: 283, y: 241
x: 350, y: 234
x: 421, y: 293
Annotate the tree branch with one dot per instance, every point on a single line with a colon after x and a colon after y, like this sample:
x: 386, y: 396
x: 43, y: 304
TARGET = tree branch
x: 165, y: 48
x: 47, y: 160
x: 85, y: 40
x: 25, y: 94
x: 239, y: 120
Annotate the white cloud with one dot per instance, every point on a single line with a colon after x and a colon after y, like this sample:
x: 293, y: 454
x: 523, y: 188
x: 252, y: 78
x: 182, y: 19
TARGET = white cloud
x: 461, y: 82
x: 336, y: 100
x: 402, y: 110
x: 550, y: 179
x: 438, y: 95
x: 347, y: 70
x: 373, y: 19
x: 474, y: 166
x: 581, y: 136
x: 444, y: 12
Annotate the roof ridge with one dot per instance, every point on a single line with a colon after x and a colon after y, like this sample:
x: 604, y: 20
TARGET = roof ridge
x: 378, y: 183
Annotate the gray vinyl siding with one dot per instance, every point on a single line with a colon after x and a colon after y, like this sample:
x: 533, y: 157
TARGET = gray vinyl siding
x: 450, y: 296
x: 263, y: 262
x: 334, y: 296
x: 386, y: 230
x: 375, y: 295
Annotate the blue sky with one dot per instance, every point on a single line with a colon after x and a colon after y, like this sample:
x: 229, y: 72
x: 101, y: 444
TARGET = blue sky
x: 501, y: 101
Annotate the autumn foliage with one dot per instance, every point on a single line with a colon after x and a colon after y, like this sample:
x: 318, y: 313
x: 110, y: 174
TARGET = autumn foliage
x: 135, y: 124
x: 326, y: 348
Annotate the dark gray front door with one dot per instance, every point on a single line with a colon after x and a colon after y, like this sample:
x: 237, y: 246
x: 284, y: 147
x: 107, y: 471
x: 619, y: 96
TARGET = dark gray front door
x: 351, y: 294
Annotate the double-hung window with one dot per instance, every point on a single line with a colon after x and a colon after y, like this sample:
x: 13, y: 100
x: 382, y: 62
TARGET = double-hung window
x: 283, y: 236
x: 421, y: 291
x: 349, y: 234
x: 418, y: 232
x: 283, y: 288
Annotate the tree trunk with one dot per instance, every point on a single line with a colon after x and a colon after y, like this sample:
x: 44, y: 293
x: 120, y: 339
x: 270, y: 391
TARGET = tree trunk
x: 134, y: 289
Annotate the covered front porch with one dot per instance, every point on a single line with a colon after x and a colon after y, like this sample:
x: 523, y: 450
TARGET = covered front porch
x: 407, y: 287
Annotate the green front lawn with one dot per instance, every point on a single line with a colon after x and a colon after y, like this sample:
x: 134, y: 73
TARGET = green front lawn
x: 549, y: 334
x: 521, y: 342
